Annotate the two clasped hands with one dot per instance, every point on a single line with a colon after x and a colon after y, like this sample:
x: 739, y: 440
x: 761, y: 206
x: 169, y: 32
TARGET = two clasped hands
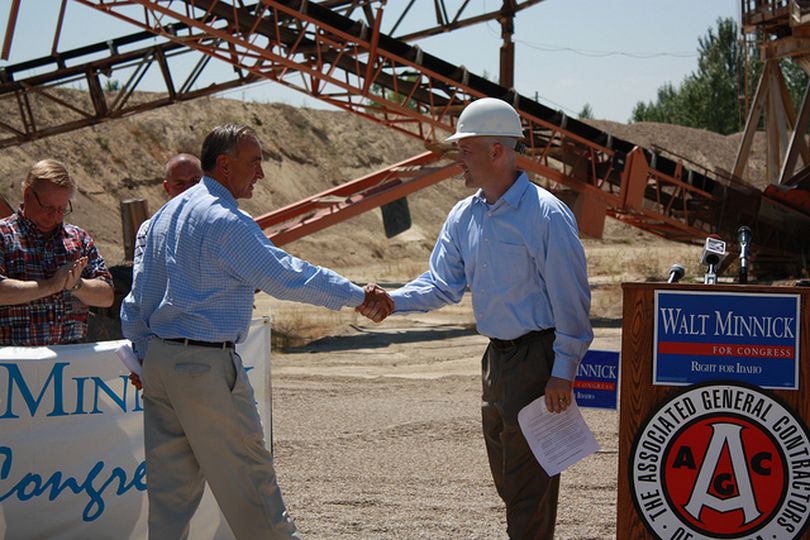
x: 68, y: 274
x: 377, y: 304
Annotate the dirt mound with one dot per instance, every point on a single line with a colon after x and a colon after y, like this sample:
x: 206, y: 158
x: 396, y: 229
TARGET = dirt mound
x: 306, y: 151
x: 697, y: 148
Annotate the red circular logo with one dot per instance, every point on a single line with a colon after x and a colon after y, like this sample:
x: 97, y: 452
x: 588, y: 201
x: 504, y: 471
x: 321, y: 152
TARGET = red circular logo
x: 725, y: 475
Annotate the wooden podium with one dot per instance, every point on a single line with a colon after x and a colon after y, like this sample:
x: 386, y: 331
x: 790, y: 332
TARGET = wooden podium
x: 639, y: 397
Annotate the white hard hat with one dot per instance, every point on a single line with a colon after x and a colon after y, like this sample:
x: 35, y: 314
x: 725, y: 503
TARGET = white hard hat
x: 487, y: 117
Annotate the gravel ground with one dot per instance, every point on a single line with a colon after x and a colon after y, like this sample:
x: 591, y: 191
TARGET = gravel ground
x: 377, y: 435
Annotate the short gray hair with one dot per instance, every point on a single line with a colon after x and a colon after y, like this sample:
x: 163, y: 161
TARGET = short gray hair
x: 506, y: 142
x: 222, y: 140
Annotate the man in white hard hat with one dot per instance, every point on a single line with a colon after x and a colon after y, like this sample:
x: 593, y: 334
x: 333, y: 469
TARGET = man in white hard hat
x: 516, y: 247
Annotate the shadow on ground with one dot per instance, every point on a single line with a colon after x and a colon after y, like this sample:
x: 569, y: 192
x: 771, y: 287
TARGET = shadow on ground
x: 376, y: 340
x: 604, y: 322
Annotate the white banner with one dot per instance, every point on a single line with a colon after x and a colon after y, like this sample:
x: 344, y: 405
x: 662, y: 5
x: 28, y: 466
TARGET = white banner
x: 71, y: 442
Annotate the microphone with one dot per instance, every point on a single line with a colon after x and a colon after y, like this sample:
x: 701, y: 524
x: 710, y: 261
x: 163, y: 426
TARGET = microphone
x: 714, y: 251
x: 676, y: 272
x: 744, y: 238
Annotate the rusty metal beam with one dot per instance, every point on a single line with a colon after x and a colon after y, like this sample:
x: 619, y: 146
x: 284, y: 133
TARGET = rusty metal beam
x: 55, y: 87
x: 315, y: 50
x: 58, y: 32
x: 14, y: 10
x: 353, y: 198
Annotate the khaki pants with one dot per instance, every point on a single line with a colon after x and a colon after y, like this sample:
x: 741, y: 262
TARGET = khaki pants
x: 513, y: 376
x: 201, y: 424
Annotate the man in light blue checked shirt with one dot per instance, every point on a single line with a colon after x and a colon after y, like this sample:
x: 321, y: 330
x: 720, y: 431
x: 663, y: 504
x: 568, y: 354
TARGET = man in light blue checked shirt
x: 191, y: 301
x: 180, y: 173
x: 516, y: 247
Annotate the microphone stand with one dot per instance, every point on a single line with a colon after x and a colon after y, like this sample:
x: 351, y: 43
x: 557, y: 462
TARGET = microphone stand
x: 711, y: 272
x: 744, y: 237
x: 743, y: 269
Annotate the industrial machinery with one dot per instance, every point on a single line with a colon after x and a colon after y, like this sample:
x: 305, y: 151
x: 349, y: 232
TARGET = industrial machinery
x: 343, y: 52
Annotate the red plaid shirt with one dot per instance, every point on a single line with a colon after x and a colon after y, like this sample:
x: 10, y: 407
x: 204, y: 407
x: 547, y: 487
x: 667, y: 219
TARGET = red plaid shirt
x: 26, y: 254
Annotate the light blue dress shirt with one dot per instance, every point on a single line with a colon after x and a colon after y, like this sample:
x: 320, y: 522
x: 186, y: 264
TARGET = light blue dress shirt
x: 524, y: 264
x: 201, y: 264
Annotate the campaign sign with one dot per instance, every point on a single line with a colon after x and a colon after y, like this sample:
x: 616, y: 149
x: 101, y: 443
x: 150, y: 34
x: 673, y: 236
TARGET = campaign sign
x: 71, y: 443
x: 705, y: 336
x: 597, y: 382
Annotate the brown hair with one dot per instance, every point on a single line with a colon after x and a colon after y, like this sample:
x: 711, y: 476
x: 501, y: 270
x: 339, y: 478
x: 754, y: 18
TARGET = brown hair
x: 49, y: 170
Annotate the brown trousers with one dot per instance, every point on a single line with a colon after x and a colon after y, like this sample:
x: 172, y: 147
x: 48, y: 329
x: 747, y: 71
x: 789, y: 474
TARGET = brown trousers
x: 513, y: 376
x: 201, y: 425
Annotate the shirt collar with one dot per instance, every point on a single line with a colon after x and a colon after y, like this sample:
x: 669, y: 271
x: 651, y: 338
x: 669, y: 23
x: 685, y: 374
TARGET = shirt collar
x: 512, y: 196
x: 515, y: 192
x: 218, y: 190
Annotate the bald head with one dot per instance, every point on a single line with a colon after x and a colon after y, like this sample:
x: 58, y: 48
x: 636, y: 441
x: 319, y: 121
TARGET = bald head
x: 182, y: 172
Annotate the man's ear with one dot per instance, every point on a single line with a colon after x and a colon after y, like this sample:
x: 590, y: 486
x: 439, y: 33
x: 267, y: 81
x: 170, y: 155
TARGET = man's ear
x: 166, y: 186
x: 223, y: 163
x: 496, y: 151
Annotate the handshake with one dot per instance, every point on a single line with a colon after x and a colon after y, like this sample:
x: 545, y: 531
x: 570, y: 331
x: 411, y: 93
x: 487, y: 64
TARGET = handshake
x: 377, y: 304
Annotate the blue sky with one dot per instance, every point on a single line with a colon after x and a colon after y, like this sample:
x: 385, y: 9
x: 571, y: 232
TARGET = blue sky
x: 607, y: 53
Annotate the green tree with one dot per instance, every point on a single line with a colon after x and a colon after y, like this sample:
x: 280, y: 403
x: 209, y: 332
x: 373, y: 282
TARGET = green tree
x: 710, y: 97
x: 398, y: 98
x: 586, y: 113
x: 112, y: 85
x: 707, y: 98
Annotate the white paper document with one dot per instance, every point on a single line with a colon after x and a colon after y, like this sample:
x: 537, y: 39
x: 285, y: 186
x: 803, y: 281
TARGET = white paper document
x: 557, y: 440
x: 127, y: 356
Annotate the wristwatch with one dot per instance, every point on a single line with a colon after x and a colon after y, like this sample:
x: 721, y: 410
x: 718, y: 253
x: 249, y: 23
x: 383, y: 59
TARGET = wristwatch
x: 78, y: 285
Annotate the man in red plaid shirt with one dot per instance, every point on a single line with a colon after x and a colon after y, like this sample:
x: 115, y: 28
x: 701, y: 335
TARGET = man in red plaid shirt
x: 50, y: 271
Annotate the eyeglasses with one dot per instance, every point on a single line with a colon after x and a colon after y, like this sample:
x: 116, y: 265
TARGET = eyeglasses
x: 53, y: 209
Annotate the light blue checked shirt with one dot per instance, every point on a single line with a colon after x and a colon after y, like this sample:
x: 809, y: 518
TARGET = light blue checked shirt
x: 522, y: 260
x: 202, y: 262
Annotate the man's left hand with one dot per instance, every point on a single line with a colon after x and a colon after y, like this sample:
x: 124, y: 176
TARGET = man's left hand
x: 558, y: 394
x: 75, y: 273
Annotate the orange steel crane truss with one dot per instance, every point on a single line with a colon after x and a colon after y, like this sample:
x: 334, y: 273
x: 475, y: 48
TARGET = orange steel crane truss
x: 347, y: 67
x: 48, y: 83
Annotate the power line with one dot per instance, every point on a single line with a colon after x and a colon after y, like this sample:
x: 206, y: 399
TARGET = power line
x: 603, y: 54
x: 591, y: 53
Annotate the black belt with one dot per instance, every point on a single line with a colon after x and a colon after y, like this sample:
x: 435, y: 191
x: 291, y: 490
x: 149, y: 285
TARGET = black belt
x: 213, y: 345
x: 525, y: 338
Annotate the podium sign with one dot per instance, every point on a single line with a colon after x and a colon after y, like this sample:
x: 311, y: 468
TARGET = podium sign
x: 713, y: 408
x: 706, y: 335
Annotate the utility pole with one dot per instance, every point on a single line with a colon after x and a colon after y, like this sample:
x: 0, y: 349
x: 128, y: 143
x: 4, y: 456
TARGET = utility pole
x: 507, y: 66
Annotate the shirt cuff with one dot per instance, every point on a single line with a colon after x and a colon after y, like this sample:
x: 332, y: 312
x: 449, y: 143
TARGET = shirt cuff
x: 356, y: 296
x: 564, y: 368
x: 403, y: 303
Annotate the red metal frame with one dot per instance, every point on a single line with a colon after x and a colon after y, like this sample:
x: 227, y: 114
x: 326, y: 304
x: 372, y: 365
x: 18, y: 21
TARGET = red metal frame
x: 287, y: 45
x: 353, y: 198
x: 355, y: 67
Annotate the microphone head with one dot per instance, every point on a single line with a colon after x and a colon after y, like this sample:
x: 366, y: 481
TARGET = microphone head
x: 676, y: 272
x: 714, y: 250
x: 744, y: 234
